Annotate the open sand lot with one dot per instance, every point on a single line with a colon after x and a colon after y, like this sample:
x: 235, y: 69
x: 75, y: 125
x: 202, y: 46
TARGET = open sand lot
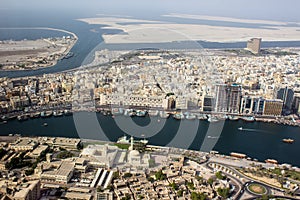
x: 142, y: 31
x: 30, y: 54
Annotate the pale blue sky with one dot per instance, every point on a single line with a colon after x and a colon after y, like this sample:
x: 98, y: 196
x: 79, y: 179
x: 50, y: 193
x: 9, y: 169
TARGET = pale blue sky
x: 287, y: 10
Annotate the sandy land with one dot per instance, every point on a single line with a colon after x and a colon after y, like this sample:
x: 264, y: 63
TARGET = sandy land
x: 32, y: 54
x: 144, y: 31
x: 224, y: 19
x: 270, y: 181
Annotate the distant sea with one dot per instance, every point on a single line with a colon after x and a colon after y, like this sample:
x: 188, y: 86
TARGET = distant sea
x: 90, y: 36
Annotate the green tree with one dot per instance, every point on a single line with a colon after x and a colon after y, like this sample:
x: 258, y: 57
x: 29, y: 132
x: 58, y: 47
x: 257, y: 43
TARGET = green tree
x: 127, y: 175
x: 174, y: 186
x: 160, y: 175
x: 198, y: 196
x: 190, y: 185
x: 223, y: 192
x: 220, y: 176
x: 179, y: 193
x: 210, y: 181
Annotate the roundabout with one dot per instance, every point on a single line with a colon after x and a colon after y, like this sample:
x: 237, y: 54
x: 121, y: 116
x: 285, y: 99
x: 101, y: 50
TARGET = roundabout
x: 257, y: 189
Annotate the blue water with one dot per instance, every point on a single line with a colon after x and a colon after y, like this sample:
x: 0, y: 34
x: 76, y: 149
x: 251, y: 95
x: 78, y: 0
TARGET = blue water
x: 88, y: 40
x: 258, y: 140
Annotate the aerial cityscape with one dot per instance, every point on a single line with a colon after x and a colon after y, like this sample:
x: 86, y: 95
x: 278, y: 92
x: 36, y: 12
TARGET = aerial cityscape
x: 162, y: 100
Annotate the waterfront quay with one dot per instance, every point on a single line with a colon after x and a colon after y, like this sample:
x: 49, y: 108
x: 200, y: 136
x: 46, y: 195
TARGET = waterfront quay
x: 173, y: 82
x: 68, y: 168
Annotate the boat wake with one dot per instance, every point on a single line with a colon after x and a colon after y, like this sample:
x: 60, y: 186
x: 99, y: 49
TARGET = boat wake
x: 253, y: 130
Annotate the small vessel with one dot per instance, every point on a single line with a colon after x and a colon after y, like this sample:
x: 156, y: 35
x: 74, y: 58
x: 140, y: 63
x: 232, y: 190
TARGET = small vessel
x: 212, y: 118
x: 144, y: 141
x: 45, y: 124
x: 153, y: 113
x: 190, y: 116
x: 22, y: 117
x: 233, y: 118
x: 116, y: 111
x: 35, y: 115
x: 238, y: 155
x: 58, y: 113
x: 46, y: 113
x: 141, y: 113
x: 272, y: 161
x: 288, y: 140
x: 4, y: 117
x: 240, y: 128
x: 68, y: 55
x: 202, y: 117
x: 248, y: 119
x: 164, y: 114
x: 68, y: 112
x: 178, y: 116
x: 129, y: 112
x: 4, y: 122
x: 212, y: 137
x: 132, y: 113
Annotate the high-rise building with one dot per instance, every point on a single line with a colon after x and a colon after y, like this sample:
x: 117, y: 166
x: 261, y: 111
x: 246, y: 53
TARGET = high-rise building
x: 228, y: 98
x: 252, y: 105
x: 287, y: 96
x: 253, y: 45
x: 208, y: 103
x: 273, y: 107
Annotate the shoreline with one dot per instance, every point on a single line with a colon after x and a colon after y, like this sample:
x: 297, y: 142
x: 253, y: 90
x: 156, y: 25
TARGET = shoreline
x: 68, y: 49
x: 107, y: 111
x: 211, y: 154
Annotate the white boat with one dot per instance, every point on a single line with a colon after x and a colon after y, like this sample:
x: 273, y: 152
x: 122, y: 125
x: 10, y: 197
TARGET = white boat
x: 232, y: 117
x: 153, y: 113
x: 212, y: 118
x: 178, y: 116
x: 190, y: 116
x: 164, y: 115
x: 117, y: 111
x: 202, y: 117
x: 248, y: 119
x: 141, y: 113
x: 144, y: 141
x: 240, y: 128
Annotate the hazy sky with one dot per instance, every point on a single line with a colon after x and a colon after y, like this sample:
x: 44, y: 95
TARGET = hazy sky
x: 285, y: 10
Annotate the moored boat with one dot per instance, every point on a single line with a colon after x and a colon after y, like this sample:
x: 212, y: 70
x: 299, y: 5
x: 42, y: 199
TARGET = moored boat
x: 141, y: 113
x: 212, y: 118
x: 233, y: 118
x: 22, y: 117
x: 153, y: 113
x: 164, y: 114
x: 238, y: 155
x: 271, y: 161
x: 202, y: 117
x: 190, y: 116
x: 116, y: 111
x: 178, y: 116
x: 68, y: 112
x: 248, y: 118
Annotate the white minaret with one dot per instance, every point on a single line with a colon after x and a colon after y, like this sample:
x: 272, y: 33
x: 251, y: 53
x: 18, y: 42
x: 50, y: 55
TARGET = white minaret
x: 131, y: 143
